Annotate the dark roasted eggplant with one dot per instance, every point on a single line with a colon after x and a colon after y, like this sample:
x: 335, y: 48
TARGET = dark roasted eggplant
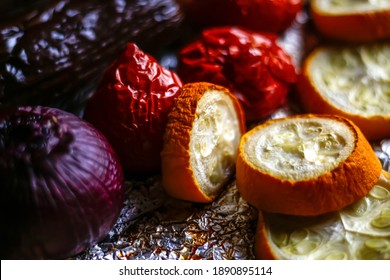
x: 54, y: 54
x: 11, y: 8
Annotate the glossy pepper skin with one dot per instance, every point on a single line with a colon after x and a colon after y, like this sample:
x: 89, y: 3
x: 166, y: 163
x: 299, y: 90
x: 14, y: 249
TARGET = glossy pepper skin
x: 130, y: 107
x: 258, y: 15
x: 251, y: 65
x: 55, y: 52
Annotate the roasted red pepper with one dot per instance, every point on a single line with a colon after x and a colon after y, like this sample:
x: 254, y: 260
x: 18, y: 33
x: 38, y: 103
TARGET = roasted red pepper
x: 258, y: 15
x: 130, y: 107
x: 251, y: 65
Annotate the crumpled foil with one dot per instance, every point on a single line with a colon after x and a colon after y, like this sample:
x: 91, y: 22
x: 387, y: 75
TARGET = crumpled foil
x: 382, y: 150
x: 153, y: 226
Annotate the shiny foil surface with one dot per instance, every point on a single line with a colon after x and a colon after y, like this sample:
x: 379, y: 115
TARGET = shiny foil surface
x: 153, y: 226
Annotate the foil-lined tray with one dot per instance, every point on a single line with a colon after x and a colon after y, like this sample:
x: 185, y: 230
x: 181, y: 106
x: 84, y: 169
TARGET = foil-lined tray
x: 153, y: 226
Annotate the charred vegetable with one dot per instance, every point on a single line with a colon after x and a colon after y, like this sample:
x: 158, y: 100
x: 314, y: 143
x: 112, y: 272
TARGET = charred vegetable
x: 11, y: 8
x: 54, y: 54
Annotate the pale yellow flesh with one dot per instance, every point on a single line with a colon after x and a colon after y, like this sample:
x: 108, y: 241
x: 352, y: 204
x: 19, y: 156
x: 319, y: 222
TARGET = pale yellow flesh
x: 359, y: 231
x: 351, y: 6
x: 300, y: 148
x: 215, y: 136
x: 354, y: 80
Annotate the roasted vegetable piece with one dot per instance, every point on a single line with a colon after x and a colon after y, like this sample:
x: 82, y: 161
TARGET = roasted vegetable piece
x: 54, y: 55
x: 359, y: 231
x: 62, y: 184
x: 12, y: 8
x: 250, y: 64
x: 305, y: 165
x: 351, y: 20
x: 130, y: 107
x: 200, y: 143
x: 258, y: 15
x: 351, y: 81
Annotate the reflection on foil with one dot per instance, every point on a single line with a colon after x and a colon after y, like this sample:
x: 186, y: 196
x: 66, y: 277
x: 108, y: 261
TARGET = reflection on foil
x: 382, y: 150
x: 153, y: 226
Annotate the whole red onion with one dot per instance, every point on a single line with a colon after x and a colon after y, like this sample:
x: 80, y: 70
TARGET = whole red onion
x: 62, y: 186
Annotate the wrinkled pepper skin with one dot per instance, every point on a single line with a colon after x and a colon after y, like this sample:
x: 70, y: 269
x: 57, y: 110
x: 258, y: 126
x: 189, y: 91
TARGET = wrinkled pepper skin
x: 252, y: 65
x: 130, y: 107
x: 54, y: 54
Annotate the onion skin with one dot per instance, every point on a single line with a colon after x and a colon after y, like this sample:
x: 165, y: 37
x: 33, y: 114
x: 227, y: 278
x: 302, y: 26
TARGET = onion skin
x: 62, y: 184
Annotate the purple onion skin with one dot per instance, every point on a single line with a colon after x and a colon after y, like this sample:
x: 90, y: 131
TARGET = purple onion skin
x: 62, y: 186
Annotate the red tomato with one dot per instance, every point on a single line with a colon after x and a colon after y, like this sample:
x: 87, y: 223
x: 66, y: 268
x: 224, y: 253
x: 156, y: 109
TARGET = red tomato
x: 250, y: 64
x: 258, y: 15
x: 130, y: 107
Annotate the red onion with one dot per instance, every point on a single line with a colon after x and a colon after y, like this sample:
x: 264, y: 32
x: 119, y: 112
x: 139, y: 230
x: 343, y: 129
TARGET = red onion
x: 62, y: 186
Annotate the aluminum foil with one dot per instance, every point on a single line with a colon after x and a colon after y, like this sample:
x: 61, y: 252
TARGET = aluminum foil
x: 153, y: 226
x: 382, y: 150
